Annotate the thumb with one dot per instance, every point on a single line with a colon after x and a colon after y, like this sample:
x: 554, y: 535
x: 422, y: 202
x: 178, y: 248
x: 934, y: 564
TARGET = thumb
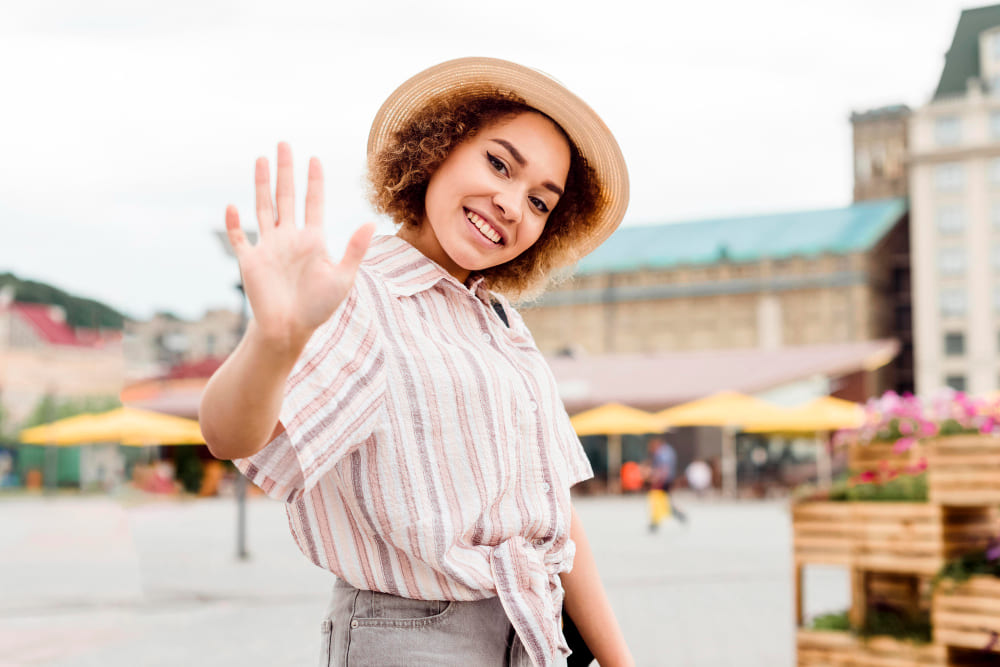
x: 357, y: 247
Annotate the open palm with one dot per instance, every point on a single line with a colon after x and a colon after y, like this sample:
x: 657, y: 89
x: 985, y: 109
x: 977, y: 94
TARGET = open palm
x: 291, y: 282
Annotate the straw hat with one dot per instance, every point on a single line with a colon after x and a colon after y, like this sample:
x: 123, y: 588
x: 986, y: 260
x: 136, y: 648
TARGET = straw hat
x: 482, y: 77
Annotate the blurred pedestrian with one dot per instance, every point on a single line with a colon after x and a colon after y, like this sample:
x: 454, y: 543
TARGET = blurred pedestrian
x: 699, y: 476
x: 662, y: 468
x: 396, y: 401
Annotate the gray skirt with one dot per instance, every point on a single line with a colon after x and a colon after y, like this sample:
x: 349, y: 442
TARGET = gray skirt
x: 370, y: 629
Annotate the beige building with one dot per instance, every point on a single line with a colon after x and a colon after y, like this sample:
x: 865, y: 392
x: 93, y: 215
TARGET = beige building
x: 41, y: 355
x: 766, y: 282
x: 880, y: 138
x: 955, y: 219
x: 154, y: 346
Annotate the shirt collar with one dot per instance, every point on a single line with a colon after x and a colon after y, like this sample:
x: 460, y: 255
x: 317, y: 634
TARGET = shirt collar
x: 407, y: 271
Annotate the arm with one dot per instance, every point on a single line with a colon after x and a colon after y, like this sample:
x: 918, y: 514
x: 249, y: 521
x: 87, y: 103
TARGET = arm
x: 587, y: 604
x: 293, y: 287
x: 238, y: 423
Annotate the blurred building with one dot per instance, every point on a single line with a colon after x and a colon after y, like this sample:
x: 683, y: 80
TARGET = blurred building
x: 154, y: 347
x: 880, y: 151
x: 954, y: 177
x: 812, y: 278
x: 41, y: 355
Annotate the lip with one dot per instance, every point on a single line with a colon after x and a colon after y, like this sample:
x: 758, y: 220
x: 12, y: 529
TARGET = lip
x: 491, y: 222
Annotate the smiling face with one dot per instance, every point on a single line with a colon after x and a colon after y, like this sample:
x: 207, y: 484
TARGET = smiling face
x: 489, y: 200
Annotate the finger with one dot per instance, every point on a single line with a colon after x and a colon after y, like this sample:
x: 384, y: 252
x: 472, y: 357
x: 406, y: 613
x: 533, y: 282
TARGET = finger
x: 284, y: 194
x: 314, y: 194
x: 265, y: 210
x: 237, y: 239
x: 357, y: 247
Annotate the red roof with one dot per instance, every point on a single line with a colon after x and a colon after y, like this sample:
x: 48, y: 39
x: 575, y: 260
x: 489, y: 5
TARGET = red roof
x: 50, y: 326
x: 49, y: 329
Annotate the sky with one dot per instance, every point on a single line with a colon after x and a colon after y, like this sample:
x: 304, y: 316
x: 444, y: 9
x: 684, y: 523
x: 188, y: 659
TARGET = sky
x: 127, y: 126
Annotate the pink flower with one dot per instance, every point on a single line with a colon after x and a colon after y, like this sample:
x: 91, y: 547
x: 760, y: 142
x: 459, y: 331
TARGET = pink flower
x: 920, y: 465
x: 905, y: 427
x: 903, y: 445
x: 866, y: 477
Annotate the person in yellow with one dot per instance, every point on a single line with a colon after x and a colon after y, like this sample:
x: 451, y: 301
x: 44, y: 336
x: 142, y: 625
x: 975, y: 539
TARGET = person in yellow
x: 662, y: 472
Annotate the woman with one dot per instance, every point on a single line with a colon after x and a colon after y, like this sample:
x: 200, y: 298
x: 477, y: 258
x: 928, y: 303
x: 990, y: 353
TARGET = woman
x: 397, y: 402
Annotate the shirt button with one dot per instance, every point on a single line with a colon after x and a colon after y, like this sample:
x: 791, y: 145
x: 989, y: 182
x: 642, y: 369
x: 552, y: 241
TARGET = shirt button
x: 533, y: 406
x: 545, y: 486
x: 486, y: 337
x: 354, y: 624
x: 539, y: 543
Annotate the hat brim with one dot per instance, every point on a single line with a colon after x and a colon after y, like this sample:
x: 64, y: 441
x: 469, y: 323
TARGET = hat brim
x: 482, y: 77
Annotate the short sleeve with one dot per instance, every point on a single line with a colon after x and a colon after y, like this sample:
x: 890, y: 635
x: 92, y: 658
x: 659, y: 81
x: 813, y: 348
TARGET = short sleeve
x: 332, y: 401
x: 578, y: 465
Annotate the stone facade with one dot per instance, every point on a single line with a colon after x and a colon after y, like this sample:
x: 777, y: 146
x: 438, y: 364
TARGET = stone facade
x: 766, y: 304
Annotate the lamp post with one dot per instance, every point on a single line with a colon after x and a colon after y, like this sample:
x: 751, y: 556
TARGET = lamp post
x: 241, y: 481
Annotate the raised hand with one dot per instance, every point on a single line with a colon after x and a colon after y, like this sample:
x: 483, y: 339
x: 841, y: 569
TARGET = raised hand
x: 291, y: 282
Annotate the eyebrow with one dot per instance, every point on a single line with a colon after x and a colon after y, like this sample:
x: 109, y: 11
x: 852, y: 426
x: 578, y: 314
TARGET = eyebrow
x: 516, y: 154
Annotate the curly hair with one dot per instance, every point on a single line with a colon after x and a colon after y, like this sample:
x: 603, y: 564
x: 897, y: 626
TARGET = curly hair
x: 399, y: 174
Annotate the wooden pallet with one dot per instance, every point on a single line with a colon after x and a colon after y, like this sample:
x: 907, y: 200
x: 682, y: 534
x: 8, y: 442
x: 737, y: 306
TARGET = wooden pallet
x: 968, y: 614
x: 908, y: 538
x: 964, y: 470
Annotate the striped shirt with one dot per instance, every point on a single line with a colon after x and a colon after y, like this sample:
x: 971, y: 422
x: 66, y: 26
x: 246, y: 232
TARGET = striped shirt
x: 426, y: 452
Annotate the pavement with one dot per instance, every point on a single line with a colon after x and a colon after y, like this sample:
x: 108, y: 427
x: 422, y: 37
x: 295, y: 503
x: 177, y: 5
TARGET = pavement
x: 136, y: 580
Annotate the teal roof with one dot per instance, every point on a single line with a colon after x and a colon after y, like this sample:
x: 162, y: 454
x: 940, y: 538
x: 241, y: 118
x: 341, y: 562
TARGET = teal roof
x: 962, y: 60
x: 837, y: 231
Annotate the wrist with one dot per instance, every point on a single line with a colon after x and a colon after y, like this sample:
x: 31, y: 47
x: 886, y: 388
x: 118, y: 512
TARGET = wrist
x: 278, y: 349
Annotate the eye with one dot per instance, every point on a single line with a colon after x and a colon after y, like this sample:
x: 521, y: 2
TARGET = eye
x: 497, y: 163
x: 538, y: 204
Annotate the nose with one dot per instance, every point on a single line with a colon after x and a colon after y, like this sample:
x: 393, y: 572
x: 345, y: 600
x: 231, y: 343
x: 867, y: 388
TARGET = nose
x: 508, y: 203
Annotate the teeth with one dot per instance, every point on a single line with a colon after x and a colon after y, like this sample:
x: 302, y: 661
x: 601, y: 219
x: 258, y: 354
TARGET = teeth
x: 483, y: 226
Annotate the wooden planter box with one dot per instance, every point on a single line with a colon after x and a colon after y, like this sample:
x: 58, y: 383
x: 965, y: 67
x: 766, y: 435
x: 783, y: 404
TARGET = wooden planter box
x: 914, y: 538
x: 964, y: 470
x: 872, y: 456
x: 839, y: 649
x: 968, y: 614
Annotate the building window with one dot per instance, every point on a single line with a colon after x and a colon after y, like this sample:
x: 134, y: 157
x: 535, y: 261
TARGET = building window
x: 951, y: 220
x: 956, y: 382
x: 947, y: 130
x: 951, y: 261
x: 953, y: 302
x: 948, y: 178
x: 954, y: 344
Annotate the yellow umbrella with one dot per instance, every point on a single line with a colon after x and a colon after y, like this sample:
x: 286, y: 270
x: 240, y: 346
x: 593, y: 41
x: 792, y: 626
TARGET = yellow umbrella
x: 615, y: 420
x: 128, y: 426
x: 728, y: 410
x: 60, y: 432
x: 819, y: 416
x: 822, y: 414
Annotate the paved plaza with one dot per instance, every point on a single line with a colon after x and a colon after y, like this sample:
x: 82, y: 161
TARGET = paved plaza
x: 144, y: 581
